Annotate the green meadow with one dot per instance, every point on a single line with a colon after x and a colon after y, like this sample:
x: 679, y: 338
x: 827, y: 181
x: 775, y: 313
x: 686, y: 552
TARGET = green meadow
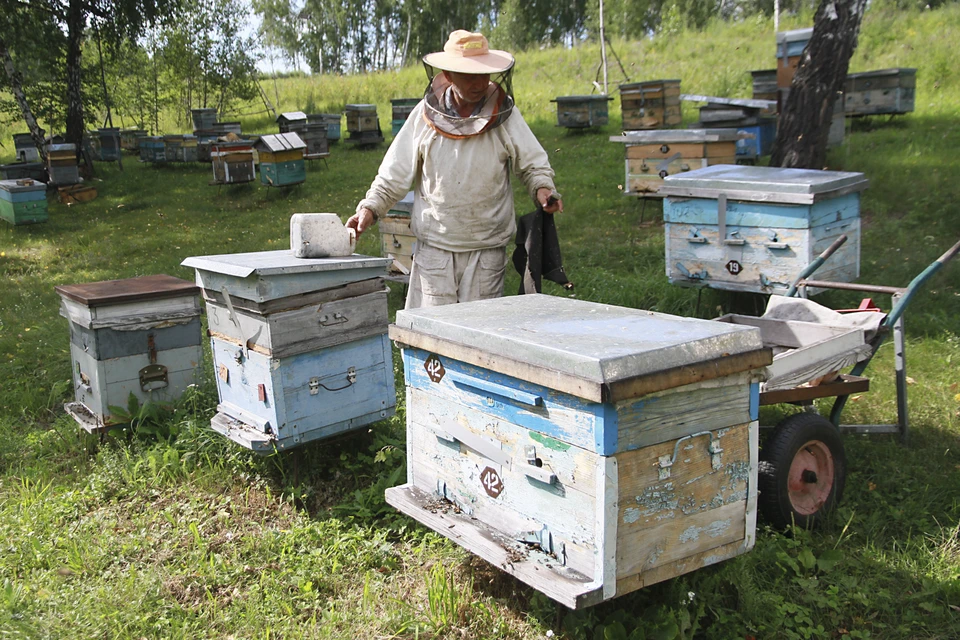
x: 168, y: 530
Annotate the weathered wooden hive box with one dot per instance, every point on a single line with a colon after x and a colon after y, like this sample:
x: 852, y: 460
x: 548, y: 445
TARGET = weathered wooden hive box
x: 62, y: 163
x: 651, y: 156
x: 23, y: 201
x: 138, y: 336
x: 363, y: 124
x: 188, y: 149
x: 173, y: 147
x: 888, y: 91
x: 289, y: 118
x: 588, y: 450
x: 153, y: 149
x: 397, y: 241
x: 790, y: 46
x: 203, y: 119
x: 764, y: 83
x: 281, y: 159
x: 21, y: 170
x: 108, y: 146
x: 129, y: 139
x: 401, y: 108
x: 743, y: 228
x: 581, y: 112
x: 332, y: 120
x: 650, y: 105
x: 300, y: 349
x: 746, y: 117
x: 232, y: 162
x: 25, y: 147
x: 314, y: 136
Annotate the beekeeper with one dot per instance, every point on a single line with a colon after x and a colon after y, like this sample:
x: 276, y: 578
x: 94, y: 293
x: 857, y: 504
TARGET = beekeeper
x: 456, y: 151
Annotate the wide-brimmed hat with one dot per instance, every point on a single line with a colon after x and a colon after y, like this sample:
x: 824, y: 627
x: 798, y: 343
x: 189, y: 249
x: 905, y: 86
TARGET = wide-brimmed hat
x: 467, y: 52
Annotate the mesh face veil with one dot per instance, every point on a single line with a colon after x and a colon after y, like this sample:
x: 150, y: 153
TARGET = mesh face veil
x: 440, y: 104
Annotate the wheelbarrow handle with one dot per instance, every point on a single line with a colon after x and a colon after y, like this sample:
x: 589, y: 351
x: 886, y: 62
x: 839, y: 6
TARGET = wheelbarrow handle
x: 917, y: 282
x: 813, y: 266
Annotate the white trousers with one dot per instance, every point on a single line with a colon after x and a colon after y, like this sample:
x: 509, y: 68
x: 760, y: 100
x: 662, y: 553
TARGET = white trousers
x: 443, y: 277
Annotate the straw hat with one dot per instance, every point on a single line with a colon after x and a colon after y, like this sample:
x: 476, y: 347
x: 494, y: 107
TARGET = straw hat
x: 467, y: 52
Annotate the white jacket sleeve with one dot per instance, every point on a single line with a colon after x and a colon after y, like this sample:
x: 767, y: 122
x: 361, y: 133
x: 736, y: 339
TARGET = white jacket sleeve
x: 399, y: 168
x: 530, y: 161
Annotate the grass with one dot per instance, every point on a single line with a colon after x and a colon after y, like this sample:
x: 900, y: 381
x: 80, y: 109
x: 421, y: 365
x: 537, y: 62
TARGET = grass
x: 183, y: 535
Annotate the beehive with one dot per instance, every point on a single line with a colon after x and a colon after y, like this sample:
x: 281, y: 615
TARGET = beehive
x: 108, y: 140
x: 401, y: 108
x: 232, y: 162
x: 21, y: 170
x: 138, y: 336
x: 586, y: 449
x: 130, y: 139
x: 650, y: 105
x: 23, y: 201
x: 397, y: 241
x: 580, y: 112
x: 203, y: 119
x: 790, y: 46
x: 300, y: 349
x: 888, y: 91
x: 281, y: 159
x: 152, y: 149
x: 363, y: 125
x: 756, y: 229
x: 286, y: 120
x: 332, y: 120
x: 651, y: 156
x: 25, y: 147
x: 62, y: 164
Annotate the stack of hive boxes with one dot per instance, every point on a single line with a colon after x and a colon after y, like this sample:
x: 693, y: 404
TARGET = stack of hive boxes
x: 232, y: 162
x: 136, y: 337
x: 300, y: 349
x: 62, y: 164
x: 23, y: 201
x: 650, y: 105
x: 363, y: 125
x: 401, y: 111
x: 281, y: 159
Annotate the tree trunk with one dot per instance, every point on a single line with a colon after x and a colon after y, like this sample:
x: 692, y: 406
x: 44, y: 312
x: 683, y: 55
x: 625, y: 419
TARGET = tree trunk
x: 16, y: 88
x: 806, y: 115
x: 75, y: 23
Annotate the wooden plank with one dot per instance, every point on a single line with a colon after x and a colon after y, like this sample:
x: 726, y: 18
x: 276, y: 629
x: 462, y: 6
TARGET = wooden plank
x: 349, y: 290
x: 846, y: 385
x: 668, y: 415
x: 533, y: 568
x: 688, y: 564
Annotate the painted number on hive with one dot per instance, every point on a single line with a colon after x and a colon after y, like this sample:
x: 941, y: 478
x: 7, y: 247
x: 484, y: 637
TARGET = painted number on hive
x: 434, y: 368
x: 491, y: 482
x: 734, y: 267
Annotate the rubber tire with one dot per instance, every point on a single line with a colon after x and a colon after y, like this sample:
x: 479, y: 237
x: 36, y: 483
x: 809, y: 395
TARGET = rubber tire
x: 776, y: 458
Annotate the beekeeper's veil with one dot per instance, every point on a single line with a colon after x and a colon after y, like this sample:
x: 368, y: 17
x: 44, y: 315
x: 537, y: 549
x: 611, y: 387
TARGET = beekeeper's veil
x: 467, y: 52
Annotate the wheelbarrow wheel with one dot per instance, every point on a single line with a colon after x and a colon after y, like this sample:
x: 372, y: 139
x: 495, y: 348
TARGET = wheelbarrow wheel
x: 802, y: 471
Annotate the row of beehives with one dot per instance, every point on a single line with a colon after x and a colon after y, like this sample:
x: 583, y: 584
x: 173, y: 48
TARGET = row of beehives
x: 568, y: 452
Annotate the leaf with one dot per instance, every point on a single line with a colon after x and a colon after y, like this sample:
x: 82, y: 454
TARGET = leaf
x: 829, y: 559
x: 615, y: 631
x: 807, y: 559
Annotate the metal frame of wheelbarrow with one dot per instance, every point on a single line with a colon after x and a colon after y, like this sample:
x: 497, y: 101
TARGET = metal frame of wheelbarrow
x: 853, y: 382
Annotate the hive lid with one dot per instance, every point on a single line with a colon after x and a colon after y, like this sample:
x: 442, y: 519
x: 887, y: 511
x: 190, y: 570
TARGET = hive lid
x: 880, y: 73
x: 280, y: 142
x: 679, y: 136
x: 599, y: 97
x: 110, y: 292
x: 795, y: 35
x: 763, y: 184
x: 557, y: 341
x: 292, y: 116
x: 361, y: 107
x: 281, y: 262
x: 21, y: 185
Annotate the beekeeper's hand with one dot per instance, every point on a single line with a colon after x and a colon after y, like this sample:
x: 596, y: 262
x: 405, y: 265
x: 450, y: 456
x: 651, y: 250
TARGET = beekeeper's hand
x: 549, y: 200
x: 362, y: 220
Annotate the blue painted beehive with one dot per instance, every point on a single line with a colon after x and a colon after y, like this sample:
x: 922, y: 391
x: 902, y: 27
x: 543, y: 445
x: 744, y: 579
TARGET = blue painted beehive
x: 281, y: 159
x: 23, y: 201
x: 587, y: 449
x: 137, y: 336
x: 743, y: 228
x: 300, y: 349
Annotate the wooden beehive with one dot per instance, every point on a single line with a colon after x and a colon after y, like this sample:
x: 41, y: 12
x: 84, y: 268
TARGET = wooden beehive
x: 130, y: 139
x: 588, y: 450
x: 888, y: 91
x: 581, y: 112
x: 281, y: 159
x: 756, y: 229
x: 746, y: 117
x: 314, y: 136
x: 650, y: 105
x: 401, y: 108
x: 23, y: 201
x: 173, y: 147
x: 299, y: 345
x: 332, y: 120
x: 286, y: 120
x: 397, y: 241
x: 62, y: 164
x: 790, y: 46
x: 25, y: 147
x: 363, y: 125
x: 188, y: 149
x: 153, y: 149
x: 21, y: 170
x: 651, y: 156
x: 108, y: 140
x: 232, y: 162
x: 203, y: 119
x: 139, y: 337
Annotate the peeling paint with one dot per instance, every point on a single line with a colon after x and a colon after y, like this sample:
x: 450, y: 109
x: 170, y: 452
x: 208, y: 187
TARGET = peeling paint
x: 738, y: 471
x: 654, y: 500
x: 690, y: 534
x: 714, y: 529
x: 631, y: 515
x: 712, y: 560
x: 548, y: 442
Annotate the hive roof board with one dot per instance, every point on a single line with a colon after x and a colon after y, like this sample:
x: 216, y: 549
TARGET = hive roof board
x: 291, y: 116
x: 678, y: 136
x: 599, y: 343
x: 280, y: 142
x: 763, y: 184
x: 736, y: 102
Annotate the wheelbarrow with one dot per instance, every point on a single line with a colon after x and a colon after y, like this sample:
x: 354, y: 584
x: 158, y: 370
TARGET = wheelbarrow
x: 802, y: 463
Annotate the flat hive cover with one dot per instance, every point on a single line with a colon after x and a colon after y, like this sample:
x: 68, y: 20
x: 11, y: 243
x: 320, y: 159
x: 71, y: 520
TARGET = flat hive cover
x: 679, y: 136
x: 109, y: 292
x: 281, y: 262
x: 762, y: 183
x: 23, y: 184
x: 595, y: 342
